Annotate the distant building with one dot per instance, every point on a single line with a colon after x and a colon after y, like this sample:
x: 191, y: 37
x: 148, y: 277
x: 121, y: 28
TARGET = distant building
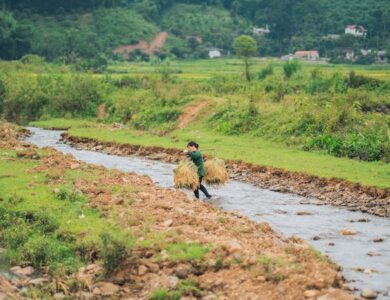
x: 215, y: 53
x: 261, y: 30
x: 381, y: 57
x: 307, y: 55
x: 365, y: 52
x: 287, y: 57
x: 356, y: 30
x: 349, y: 54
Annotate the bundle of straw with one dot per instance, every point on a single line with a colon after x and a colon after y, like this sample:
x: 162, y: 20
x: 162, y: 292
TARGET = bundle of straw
x: 216, y: 173
x: 185, y: 175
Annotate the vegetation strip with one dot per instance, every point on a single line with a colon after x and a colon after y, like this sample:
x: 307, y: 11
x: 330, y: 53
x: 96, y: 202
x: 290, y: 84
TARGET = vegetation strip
x: 332, y: 191
x: 130, y: 238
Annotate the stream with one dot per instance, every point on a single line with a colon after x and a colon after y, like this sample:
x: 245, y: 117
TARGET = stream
x: 289, y: 214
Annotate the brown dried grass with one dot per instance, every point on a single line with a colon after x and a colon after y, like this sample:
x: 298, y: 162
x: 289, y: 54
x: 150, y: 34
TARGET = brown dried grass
x: 185, y: 175
x: 216, y: 172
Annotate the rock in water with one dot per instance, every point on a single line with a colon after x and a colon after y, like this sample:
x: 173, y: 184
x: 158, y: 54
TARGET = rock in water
x: 368, y: 294
x: 347, y: 232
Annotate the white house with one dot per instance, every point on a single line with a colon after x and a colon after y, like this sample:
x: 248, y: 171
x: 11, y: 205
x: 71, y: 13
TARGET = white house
x: 215, y: 53
x: 261, y: 30
x: 356, y: 30
x: 307, y: 55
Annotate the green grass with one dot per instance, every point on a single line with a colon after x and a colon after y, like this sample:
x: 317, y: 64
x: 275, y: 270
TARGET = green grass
x: 186, y: 252
x: 40, y: 228
x: 247, y: 148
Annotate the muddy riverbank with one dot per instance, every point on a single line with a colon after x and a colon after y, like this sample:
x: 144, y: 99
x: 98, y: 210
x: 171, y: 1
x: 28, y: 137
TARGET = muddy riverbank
x: 335, y: 192
x: 323, y: 226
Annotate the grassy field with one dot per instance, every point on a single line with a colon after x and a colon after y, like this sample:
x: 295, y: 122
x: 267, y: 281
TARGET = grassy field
x: 247, y: 148
x: 203, y: 69
x: 43, y: 228
x: 195, y: 69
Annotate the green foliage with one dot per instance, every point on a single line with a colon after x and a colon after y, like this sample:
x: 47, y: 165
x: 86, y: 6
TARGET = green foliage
x: 112, y: 250
x: 29, y: 238
x: 235, y: 119
x: 28, y: 98
x: 267, y: 71
x: 364, y: 146
x: 245, y: 46
x: 184, y: 288
x: 186, y: 252
x: 291, y: 67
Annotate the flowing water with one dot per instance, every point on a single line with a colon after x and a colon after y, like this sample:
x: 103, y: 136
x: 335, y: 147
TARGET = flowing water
x: 283, y: 211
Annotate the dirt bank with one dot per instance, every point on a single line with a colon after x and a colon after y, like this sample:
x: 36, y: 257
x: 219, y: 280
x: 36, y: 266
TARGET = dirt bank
x: 330, y: 191
x: 182, y: 247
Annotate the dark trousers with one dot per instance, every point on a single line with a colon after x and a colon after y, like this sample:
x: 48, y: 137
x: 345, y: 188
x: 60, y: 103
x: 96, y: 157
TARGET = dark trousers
x: 202, y: 188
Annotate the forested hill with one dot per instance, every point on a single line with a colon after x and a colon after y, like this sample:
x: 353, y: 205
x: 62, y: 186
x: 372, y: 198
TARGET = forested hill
x: 87, y: 28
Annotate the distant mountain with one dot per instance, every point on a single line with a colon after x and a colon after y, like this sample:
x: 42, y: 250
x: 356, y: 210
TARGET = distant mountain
x: 87, y: 28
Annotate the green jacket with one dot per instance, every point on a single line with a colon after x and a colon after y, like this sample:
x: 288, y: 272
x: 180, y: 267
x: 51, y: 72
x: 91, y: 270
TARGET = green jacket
x: 197, y: 159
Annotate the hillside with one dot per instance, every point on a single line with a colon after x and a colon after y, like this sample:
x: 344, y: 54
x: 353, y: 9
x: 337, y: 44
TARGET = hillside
x: 88, y: 28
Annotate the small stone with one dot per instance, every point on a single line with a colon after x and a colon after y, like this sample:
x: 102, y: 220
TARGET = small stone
x: 182, y: 271
x: 310, y: 293
x: 105, y: 289
x: 168, y: 223
x: 75, y: 166
x: 326, y: 297
x: 304, y: 213
x: 347, y: 232
x: 316, y: 238
x: 378, y: 240
x: 38, y: 281
x: 56, y: 191
x: 368, y: 294
x: 371, y: 253
x: 142, y: 270
x: 154, y: 268
x: 58, y: 296
x: 232, y: 246
x: 331, y: 244
x: 261, y: 278
x: 27, y: 271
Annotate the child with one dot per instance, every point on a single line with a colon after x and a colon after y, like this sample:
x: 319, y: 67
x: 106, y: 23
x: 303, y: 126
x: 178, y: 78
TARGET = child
x: 196, y: 156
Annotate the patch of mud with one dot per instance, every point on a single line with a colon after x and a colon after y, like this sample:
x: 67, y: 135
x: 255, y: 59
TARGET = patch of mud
x: 336, y: 192
x: 190, y: 113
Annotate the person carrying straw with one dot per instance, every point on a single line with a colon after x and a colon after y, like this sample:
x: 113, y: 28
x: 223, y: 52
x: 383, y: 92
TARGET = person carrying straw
x: 197, y: 158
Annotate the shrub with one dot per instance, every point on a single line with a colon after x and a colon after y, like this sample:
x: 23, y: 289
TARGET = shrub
x: 112, y: 251
x: 291, y: 67
x: 235, y: 119
x: 269, y: 70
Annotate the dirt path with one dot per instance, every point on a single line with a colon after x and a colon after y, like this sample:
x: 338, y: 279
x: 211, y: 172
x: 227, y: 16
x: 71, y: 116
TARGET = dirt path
x: 331, y: 191
x: 156, y: 44
x: 181, y: 242
x: 190, y: 114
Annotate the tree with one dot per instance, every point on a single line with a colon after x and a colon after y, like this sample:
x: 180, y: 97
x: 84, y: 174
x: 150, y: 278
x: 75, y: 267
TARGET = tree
x: 245, y: 47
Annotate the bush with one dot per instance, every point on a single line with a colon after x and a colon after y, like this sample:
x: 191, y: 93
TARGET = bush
x: 112, y: 251
x: 356, y: 81
x: 269, y: 70
x: 291, y: 67
x: 363, y: 146
x: 234, y: 119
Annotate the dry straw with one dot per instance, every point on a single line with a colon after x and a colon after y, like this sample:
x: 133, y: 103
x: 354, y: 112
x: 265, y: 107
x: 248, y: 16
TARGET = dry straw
x: 185, y: 175
x: 216, y: 173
